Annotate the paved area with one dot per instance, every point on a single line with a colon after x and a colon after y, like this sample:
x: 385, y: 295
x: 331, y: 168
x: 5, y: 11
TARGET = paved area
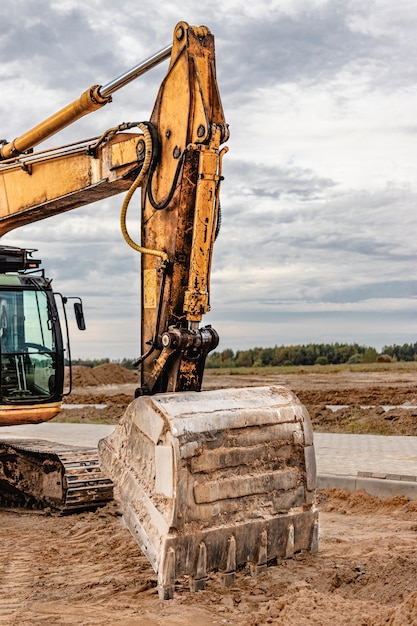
x: 383, y: 466
x: 86, y: 435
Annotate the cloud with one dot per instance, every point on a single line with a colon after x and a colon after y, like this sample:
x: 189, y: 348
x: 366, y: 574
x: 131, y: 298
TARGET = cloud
x: 317, y: 240
x: 29, y: 36
x: 274, y: 181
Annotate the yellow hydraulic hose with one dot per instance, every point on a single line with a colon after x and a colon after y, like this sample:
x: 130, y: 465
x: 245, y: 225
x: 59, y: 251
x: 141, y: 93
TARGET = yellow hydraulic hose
x: 137, y: 183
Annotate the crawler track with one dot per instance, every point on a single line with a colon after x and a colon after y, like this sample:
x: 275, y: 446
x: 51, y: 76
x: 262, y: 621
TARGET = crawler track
x: 41, y: 474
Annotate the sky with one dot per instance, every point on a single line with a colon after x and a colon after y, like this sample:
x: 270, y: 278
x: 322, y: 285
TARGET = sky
x: 318, y: 237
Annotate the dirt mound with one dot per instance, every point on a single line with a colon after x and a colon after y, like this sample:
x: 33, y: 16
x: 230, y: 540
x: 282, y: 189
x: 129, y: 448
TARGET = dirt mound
x: 105, y: 374
x: 364, y: 413
x: 405, y: 613
x: 372, y: 395
x: 360, y: 502
x: 361, y: 420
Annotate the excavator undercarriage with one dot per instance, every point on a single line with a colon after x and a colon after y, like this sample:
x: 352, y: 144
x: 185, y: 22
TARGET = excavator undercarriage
x: 39, y: 474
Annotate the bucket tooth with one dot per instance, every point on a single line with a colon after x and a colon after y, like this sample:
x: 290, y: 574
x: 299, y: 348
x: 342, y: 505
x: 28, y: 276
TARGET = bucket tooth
x: 261, y: 565
x: 228, y: 576
x: 215, y: 480
x: 166, y: 582
x: 198, y: 582
x: 289, y: 546
x: 314, y: 544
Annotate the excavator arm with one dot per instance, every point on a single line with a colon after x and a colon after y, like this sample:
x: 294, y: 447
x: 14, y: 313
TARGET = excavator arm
x: 180, y: 216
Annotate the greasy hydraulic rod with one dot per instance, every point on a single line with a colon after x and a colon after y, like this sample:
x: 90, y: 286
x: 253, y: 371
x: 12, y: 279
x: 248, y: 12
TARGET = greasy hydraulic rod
x: 92, y: 99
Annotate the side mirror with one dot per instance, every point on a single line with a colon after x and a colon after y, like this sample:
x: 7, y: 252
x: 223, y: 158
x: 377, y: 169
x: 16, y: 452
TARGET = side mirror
x: 79, y: 315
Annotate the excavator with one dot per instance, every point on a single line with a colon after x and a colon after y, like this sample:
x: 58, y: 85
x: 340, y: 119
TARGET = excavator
x: 208, y: 481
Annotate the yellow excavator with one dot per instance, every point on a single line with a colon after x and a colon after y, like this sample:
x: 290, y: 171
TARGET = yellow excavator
x: 207, y: 481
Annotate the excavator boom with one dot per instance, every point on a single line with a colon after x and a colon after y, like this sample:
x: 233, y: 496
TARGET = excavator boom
x: 40, y: 185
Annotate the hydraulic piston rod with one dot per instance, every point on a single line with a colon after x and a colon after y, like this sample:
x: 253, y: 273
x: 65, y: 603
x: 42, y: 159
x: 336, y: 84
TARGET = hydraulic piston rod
x: 135, y: 72
x: 92, y: 99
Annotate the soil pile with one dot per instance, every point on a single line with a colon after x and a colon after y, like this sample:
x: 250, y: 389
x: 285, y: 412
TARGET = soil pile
x: 363, y: 396
x: 105, y: 374
x: 362, y: 420
x: 103, y: 393
x: 360, y: 502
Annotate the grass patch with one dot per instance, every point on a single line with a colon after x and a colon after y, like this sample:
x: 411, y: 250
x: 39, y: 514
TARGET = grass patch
x: 405, y: 366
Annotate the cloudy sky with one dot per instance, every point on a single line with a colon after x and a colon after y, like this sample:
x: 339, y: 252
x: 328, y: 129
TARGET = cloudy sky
x: 318, y: 239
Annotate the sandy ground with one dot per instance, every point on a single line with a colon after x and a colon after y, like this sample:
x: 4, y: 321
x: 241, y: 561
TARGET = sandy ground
x: 85, y: 570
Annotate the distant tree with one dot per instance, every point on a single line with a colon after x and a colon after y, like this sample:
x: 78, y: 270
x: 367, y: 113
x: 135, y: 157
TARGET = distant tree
x: 355, y: 358
x: 267, y: 356
x: 214, y: 360
x: 89, y: 362
x: 127, y: 363
x: 370, y: 355
x: 243, y: 359
x: 406, y: 352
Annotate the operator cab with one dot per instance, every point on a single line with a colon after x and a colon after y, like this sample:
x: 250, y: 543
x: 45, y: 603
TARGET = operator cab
x: 31, y: 344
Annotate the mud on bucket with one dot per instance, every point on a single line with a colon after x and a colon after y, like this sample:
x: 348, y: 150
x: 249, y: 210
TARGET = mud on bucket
x: 214, y: 480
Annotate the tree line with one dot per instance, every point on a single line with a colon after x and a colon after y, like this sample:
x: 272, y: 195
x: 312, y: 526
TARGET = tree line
x: 127, y: 363
x: 311, y: 354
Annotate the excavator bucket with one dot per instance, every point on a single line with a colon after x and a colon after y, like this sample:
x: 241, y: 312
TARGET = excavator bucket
x: 215, y: 480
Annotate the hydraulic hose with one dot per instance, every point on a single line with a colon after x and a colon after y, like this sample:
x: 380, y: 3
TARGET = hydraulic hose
x: 137, y: 183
